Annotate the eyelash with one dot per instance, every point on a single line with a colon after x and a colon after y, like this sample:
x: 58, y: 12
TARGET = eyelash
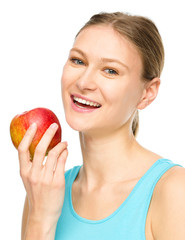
x: 73, y: 60
x: 111, y: 70
x: 76, y: 61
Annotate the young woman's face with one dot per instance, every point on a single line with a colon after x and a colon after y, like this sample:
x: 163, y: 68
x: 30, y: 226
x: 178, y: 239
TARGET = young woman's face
x: 105, y: 68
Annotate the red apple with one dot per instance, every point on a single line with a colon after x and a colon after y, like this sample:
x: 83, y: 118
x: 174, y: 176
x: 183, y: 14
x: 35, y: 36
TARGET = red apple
x: 43, y: 117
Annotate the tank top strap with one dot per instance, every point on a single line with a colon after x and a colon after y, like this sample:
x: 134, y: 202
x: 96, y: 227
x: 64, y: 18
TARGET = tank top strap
x: 71, y: 174
x: 147, y: 183
x: 139, y: 200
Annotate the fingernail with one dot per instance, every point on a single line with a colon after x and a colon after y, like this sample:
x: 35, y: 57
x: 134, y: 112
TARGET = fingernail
x: 54, y: 125
x: 33, y: 125
x: 66, y: 143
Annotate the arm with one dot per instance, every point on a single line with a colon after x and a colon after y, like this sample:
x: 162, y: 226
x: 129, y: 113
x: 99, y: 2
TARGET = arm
x: 44, y: 184
x: 27, y: 225
x: 24, y: 217
x: 168, y: 215
x: 34, y: 229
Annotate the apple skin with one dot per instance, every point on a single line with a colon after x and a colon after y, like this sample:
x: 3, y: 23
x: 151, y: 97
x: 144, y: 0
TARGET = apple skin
x: 43, y: 117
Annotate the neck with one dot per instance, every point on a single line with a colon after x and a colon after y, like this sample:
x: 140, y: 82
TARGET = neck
x: 106, y: 159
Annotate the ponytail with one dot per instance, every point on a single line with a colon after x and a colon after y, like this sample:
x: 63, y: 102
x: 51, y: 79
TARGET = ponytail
x: 135, y: 124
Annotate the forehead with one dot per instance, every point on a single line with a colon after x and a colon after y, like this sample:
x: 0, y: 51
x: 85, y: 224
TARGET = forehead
x: 103, y: 41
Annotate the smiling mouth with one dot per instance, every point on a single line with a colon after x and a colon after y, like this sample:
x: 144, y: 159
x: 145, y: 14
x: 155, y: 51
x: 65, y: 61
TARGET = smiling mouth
x: 84, y: 104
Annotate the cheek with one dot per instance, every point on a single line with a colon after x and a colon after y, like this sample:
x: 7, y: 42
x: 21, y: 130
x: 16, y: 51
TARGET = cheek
x: 125, y: 99
x: 66, y: 80
x: 65, y: 77
x: 64, y: 86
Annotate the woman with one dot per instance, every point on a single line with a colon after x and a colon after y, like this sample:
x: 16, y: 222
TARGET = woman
x: 122, y: 190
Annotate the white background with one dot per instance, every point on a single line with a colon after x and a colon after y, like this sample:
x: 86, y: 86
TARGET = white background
x: 35, y: 39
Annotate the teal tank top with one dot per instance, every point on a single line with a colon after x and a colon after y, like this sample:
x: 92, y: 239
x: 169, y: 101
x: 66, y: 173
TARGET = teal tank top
x: 126, y: 223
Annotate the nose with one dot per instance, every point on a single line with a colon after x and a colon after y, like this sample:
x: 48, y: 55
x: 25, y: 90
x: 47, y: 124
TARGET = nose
x: 86, y: 80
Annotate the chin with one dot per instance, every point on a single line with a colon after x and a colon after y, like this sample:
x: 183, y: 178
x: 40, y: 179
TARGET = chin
x: 76, y: 124
x: 80, y: 126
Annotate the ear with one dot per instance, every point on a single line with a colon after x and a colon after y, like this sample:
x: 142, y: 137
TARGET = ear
x: 149, y: 93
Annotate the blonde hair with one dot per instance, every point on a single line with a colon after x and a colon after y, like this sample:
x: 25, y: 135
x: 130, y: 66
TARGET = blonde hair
x: 143, y: 33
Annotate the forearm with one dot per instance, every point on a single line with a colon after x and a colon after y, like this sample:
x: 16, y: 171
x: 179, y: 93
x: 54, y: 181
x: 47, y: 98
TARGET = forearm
x: 39, y: 230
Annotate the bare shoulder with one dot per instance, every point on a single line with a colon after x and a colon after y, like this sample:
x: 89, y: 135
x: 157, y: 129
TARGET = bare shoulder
x: 173, y: 181
x: 168, y: 206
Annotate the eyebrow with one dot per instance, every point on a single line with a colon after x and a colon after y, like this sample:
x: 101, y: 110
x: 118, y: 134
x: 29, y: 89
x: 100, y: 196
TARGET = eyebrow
x: 102, y: 59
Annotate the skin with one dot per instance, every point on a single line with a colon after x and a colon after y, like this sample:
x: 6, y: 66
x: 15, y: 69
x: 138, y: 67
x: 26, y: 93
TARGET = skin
x: 107, y: 146
x: 44, y: 184
x: 120, y: 96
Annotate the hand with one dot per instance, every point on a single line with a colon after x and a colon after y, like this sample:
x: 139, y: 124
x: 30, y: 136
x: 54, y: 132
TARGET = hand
x: 44, y: 184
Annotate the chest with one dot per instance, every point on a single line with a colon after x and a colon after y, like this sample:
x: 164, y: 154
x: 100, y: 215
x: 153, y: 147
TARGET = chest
x: 102, y: 203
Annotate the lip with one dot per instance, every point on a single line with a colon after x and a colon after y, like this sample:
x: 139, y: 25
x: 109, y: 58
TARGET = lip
x: 81, y: 110
x: 85, y: 98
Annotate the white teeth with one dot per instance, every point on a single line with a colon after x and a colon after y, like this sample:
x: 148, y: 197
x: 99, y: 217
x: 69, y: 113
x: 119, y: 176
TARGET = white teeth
x: 86, y: 102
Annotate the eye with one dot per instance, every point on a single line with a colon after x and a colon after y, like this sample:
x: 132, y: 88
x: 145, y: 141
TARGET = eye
x: 111, y: 71
x: 76, y: 61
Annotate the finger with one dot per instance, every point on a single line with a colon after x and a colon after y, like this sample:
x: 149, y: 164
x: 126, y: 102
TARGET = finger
x: 60, y: 166
x: 42, y: 146
x: 53, y: 155
x: 23, y: 148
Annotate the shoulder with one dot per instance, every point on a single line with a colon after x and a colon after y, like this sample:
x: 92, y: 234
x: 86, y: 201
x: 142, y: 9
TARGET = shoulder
x: 172, y: 180
x: 168, y: 210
